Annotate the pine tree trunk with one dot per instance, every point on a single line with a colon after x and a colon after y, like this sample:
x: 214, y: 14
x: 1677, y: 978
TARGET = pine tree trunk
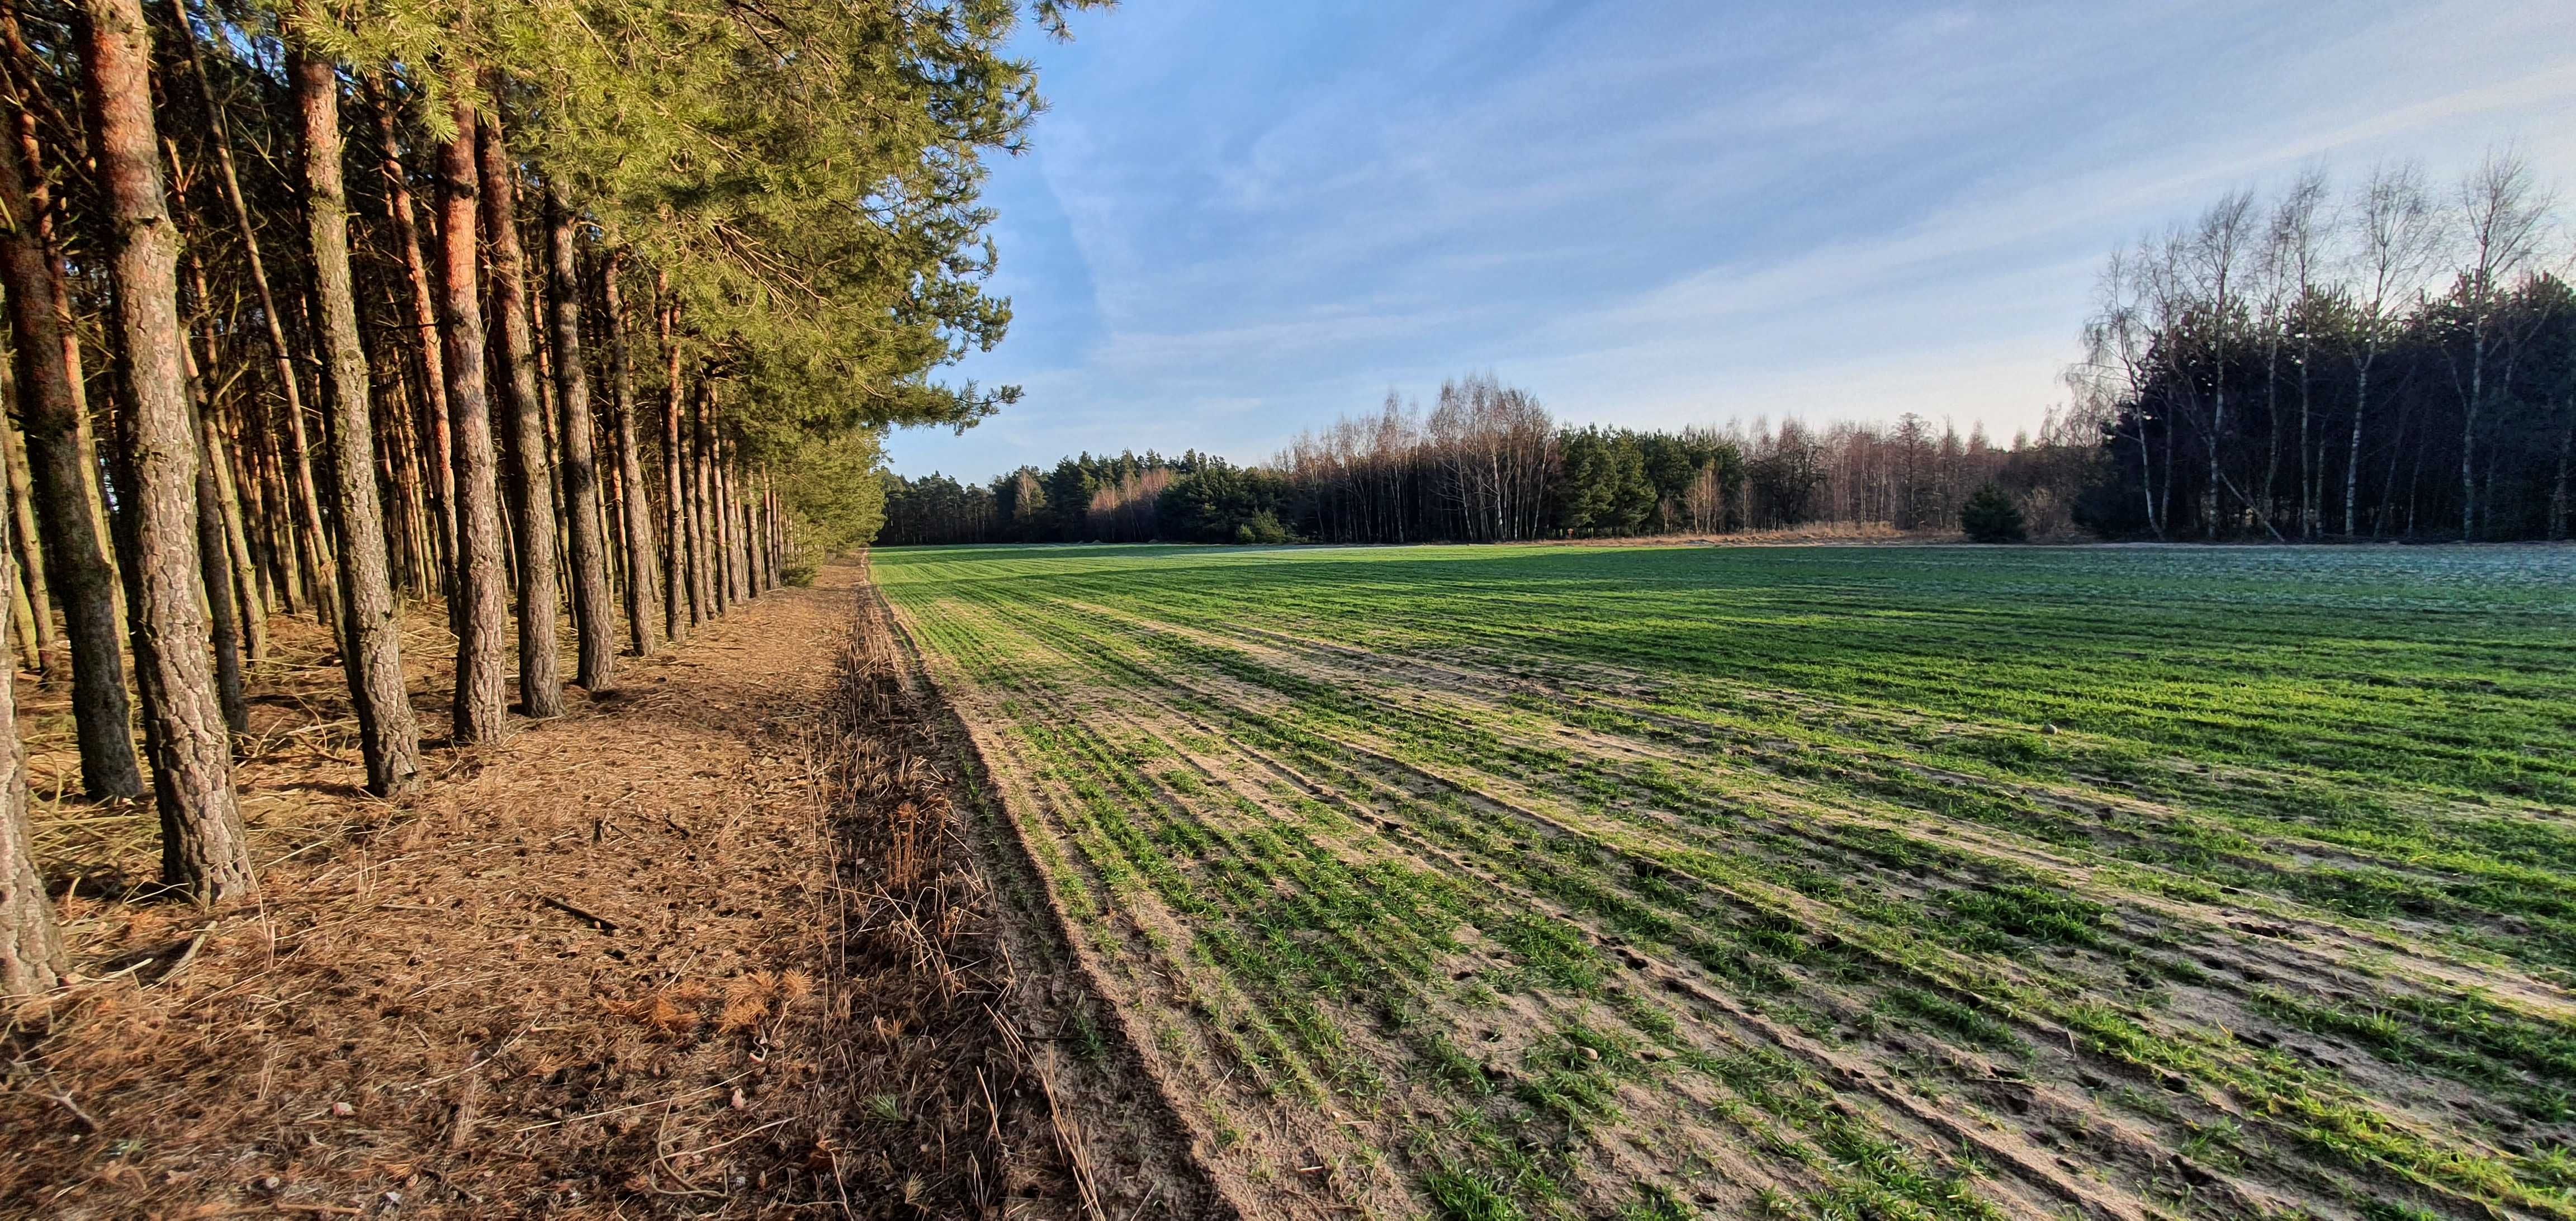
x: 310, y: 546
x: 264, y: 523
x: 278, y: 521
x: 702, y: 503
x: 56, y: 420
x: 31, y: 656
x: 214, y: 559
x: 532, y: 483
x: 480, y: 613
x: 31, y: 950
x: 643, y: 608
x: 371, y: 652
x: 247, y: 581
x: 679, y: 604
x: 745, y: 579
x: 592, y: 621
x: 753, y: 517
x: 204, y: 848
x: 250, y: 613
x: 51, y: 663
x: 772, y: 549
x: 424, y: 306
x: 728, y: 557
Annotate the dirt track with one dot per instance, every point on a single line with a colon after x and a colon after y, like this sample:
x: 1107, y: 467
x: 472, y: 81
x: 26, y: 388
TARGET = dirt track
x: 591, y: 971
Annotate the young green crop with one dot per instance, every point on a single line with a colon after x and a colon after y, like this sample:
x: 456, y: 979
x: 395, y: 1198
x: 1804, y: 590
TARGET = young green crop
x: 1913, y: 881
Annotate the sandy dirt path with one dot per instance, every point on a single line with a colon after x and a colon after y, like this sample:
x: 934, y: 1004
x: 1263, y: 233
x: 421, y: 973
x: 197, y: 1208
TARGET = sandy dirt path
x: 638, y: 960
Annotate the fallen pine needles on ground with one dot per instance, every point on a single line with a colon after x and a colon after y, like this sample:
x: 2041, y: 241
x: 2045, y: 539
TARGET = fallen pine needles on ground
x: 589, y: 972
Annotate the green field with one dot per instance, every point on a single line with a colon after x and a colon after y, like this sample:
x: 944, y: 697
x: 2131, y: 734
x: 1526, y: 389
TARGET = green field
x: 1832, y: 882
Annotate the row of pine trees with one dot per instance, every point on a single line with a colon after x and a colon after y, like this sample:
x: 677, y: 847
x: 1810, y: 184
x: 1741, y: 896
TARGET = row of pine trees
x: 532, y: 310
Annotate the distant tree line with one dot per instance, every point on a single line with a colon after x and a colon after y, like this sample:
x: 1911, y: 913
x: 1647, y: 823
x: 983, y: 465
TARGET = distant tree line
x: 2399, y: 362
x: 1488, y: 464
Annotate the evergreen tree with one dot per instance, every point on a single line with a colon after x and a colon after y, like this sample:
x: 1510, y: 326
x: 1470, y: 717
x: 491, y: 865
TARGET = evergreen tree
x: 1990, y: 516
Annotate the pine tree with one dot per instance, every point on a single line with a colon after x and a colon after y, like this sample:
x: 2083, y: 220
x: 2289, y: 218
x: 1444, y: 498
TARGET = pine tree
x: 589, y: 553
x: 1990, y: 516
x: 50, y: 399
x: 204, y: 848
x: 479, y: 609
x: 521, y: 422
x: 31, y: 950
x: 371, y: 631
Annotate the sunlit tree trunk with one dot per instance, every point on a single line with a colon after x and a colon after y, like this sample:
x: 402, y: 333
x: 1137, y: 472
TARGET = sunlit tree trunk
x: 590, y: 614
x: 531, y: 471
x: 51, y: 663
x: 204, y: 848
x: 480, y: 612
x: 702, y: 553
x: 31, y: 950
x: 399, y: 208
x: 679, y: 604
x: 371, y: 651
x: 310, y: 539
x: 643, y: 603
x: 214, y: 559
x: 56, y: 419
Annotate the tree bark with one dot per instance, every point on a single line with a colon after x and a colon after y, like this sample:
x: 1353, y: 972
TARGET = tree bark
x: 50, y: 400
x: 424, y: 307
x: 214, y: 559
x: 51, y: 663
x: 594, y: 631
x: 480, y: 612
x: 204, y: 849
x: 371, y: 651
x: 702, y: 503
x: 308, y: 505
x: 532, y: 482
x: 642, y: 568
x: 679, y: 593
x: 213, y: 451
x: 31, y: 655
x: 31, y: 950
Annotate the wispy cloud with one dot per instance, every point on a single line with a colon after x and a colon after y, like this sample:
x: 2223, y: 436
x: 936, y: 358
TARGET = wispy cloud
x: 1242, y: 221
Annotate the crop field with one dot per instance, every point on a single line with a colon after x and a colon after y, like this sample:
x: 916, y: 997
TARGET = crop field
x: 1814, y: 882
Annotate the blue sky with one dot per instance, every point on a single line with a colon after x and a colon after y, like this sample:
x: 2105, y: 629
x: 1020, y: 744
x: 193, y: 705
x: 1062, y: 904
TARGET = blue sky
x: 1241, y: 219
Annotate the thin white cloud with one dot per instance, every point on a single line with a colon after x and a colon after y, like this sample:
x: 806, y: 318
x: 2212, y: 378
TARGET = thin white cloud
x: 1651, y: 214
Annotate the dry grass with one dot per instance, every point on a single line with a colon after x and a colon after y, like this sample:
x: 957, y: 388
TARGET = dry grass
x: 933, y: 1104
